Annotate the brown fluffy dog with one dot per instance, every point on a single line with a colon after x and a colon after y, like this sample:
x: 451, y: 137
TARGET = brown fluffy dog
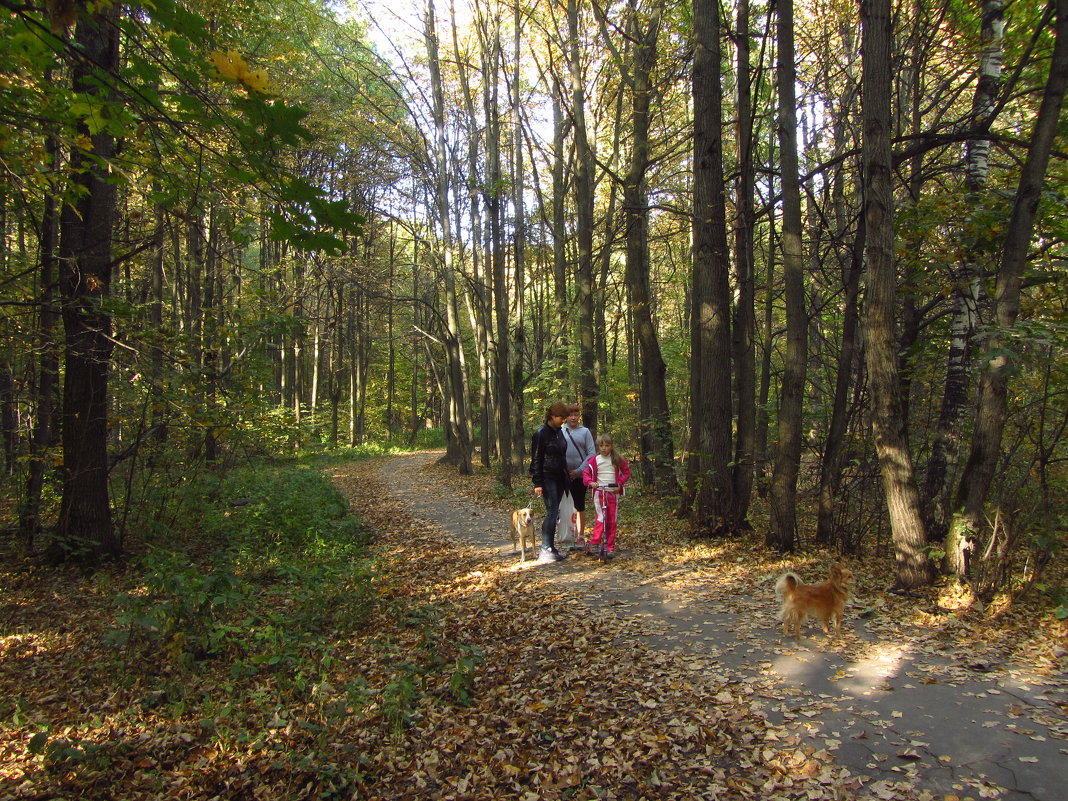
x: 522, y: 529
x: 824, y: 601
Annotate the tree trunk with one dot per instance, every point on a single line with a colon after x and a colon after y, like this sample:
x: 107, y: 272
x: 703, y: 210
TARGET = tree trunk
x: 852, y: 267
x: 589, y: 369
x: 709, y: 475
x: 47, y: 373
x: 744, y: 328
x: 86, y: 531
x: 782, y: 531
x: 518, y: 433
x: 947, y: 442
x: 833, y: 453
x: 993, y: 384
x: 902, y: 496
x: 491, y: 60
x: 654, y: 425
x: 558, y: 350
x: 458, y: 436
x: 480, y: 296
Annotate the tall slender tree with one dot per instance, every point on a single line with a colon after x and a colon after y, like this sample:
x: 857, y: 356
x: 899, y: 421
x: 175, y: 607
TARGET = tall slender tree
x: 782, y: 532
x: 993, y: 384
x: 744, y: 323
x: 589, y: 369
x: 458, y: 407
x: 955, y: 393
x: 654, y: 424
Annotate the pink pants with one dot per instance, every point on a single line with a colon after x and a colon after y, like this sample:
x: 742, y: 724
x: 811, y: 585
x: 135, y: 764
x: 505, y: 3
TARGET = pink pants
x: 605, y: 503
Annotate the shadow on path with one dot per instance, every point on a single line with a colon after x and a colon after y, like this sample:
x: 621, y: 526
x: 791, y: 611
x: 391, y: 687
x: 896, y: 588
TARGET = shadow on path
x: 890, y: 711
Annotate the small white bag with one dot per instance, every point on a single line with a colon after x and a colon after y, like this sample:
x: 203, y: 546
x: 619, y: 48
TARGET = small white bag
x: 566, y: 524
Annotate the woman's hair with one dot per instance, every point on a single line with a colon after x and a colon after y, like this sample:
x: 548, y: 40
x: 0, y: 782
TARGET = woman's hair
x: 572, y: 408
x: 606, y: 439
x: 558, y: 409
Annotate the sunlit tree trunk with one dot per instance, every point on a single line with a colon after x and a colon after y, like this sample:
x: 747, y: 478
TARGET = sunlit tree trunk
x: 478, y: 298
x: 947, y: 442
x: 589, y: 369
x: 458, y: 436
x: 655, y: 442
x: 561, y: 125
x: 902, y: 496
x: 518, y: 322
x: 492, y: 58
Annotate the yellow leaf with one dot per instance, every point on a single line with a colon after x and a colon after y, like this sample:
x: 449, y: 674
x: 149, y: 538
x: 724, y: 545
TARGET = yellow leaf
x: 230, y: 65
x: 256, y: 80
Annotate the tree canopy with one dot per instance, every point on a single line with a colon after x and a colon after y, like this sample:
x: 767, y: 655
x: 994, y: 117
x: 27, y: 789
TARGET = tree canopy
x: 231, y: 230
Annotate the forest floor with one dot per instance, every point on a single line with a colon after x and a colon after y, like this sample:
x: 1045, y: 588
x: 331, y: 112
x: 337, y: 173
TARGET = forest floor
x: 933, y: 696
x: 659, y: 675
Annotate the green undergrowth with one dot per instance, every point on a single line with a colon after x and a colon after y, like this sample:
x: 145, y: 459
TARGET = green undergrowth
x: 266, y: 565
x: 252, y: 626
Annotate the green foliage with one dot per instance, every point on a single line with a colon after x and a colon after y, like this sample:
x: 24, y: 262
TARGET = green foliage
x: 267, y: 563
x: 181, y: 607
x: 62, y: 755
x: 398, y: 701
x: 462, y: 681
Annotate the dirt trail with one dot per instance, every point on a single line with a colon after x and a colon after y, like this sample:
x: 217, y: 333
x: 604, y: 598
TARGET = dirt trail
x: 891, y: 710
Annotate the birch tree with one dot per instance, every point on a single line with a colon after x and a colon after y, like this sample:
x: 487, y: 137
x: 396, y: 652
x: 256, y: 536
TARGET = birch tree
x: 459, y: 447
x: 947, y: 443
x: 993, y: 384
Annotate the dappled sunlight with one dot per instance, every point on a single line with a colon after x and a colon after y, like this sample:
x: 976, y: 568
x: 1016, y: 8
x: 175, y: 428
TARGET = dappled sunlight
x: 703, y: 609
x: 15, y: 647
x: 737, y: 575
x: 872, y: 667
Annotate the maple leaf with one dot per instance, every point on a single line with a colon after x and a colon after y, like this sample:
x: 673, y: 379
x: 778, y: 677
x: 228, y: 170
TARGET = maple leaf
x: 232, y: 66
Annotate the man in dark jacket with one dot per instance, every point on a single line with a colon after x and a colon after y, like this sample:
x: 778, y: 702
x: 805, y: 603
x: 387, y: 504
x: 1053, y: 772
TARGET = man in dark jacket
x: 548, y: 471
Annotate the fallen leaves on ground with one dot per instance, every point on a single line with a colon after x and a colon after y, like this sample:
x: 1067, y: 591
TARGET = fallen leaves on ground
x: 738, y: 575
x: 469, y: 682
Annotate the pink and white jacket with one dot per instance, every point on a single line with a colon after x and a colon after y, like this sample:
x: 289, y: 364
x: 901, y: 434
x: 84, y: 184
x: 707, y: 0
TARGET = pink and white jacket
x: 589, y: 473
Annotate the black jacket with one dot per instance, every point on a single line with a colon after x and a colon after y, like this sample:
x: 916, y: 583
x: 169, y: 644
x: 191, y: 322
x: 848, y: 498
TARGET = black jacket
x: 548, y: 455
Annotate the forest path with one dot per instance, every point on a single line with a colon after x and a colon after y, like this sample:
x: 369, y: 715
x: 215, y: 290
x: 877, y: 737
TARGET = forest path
x: 893, y: 710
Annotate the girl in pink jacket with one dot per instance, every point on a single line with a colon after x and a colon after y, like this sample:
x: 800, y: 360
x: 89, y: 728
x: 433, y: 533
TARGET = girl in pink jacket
x: 606, y: 472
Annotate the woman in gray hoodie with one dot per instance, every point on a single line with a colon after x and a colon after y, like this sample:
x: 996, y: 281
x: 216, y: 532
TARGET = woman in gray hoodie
x: 580, y: 447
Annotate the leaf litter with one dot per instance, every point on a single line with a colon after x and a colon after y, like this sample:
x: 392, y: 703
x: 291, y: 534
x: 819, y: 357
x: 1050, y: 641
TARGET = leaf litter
x: 471, y: 681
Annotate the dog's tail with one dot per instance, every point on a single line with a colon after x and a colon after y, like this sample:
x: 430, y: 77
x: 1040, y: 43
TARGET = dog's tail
x: 785, y: 585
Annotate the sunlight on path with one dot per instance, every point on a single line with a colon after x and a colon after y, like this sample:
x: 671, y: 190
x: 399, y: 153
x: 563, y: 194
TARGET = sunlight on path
x: 899, y: 717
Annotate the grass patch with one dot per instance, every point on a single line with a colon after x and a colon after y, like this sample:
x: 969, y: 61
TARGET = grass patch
x: 230, y: 630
